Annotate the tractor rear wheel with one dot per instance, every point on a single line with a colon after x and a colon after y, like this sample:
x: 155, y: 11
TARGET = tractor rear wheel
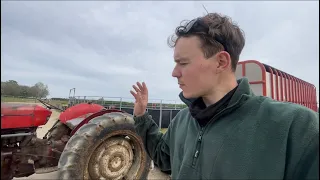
x: 105, y: 148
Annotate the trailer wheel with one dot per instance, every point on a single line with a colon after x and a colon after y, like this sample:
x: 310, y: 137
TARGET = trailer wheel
x: 105, y: 148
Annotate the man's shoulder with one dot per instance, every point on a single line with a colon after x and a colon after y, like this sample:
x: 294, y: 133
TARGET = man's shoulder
x: 292, y: 114
x: 298, y: 126
x: 285, y: 108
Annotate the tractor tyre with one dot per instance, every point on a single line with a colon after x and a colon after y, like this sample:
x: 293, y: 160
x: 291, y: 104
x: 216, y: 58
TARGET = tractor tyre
x: 58, y: 131
x: 108, y: 147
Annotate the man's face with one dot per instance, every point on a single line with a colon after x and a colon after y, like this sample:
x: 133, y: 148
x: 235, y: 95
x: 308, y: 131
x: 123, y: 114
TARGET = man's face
x: 196, y: 75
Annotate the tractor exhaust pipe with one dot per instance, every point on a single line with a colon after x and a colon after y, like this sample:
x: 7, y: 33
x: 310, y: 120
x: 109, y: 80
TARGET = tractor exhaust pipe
x: 16, y: 135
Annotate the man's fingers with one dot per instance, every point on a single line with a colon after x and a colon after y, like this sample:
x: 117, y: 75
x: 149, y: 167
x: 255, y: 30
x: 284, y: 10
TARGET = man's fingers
x: 136, y: 95
x: 136, y: 89
x: 133, y: 94
x: 144, y: 87
x: 139, y: 91
x: 140, y: 86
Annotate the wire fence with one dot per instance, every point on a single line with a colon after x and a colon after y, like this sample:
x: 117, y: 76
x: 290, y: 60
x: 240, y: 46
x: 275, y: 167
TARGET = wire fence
x: 162, y: 111
x: 121, y: 102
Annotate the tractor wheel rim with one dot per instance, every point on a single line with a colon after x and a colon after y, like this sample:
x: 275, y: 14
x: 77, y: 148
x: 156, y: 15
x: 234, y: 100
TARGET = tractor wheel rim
x: 112, y: 160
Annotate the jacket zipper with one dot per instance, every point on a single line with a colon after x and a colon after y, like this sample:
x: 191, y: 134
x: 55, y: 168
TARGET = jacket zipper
x: 196, y: 154
x: 197, y: 151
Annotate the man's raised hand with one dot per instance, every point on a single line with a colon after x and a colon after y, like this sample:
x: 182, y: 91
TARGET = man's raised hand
x: 140, y: 94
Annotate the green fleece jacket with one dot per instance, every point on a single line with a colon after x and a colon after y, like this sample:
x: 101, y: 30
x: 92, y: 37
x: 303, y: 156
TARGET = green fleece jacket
x: 254, y: 137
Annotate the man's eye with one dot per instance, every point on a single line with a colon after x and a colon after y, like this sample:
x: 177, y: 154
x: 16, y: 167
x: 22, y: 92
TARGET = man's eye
x: 182, y: 64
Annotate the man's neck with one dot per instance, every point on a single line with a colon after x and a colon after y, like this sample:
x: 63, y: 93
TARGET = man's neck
x: 218, y: 93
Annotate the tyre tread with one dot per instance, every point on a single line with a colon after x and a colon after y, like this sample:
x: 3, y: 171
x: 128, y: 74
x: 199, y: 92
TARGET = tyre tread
x: 70, y: 160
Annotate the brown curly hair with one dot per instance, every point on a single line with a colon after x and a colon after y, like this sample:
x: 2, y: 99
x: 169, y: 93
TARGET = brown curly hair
x: 216, y: 32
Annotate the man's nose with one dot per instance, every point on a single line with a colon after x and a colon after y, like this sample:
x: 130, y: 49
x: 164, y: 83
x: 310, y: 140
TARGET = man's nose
x: 176, y: 73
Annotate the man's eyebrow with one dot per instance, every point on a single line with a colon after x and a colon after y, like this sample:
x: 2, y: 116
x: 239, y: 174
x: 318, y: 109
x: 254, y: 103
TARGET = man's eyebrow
x: 181, y: 59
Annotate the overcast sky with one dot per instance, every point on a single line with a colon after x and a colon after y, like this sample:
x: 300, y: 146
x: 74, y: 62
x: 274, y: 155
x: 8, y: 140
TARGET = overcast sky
x: 101, y: 48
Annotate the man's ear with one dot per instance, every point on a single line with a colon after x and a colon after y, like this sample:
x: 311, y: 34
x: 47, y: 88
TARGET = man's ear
x: 223, y: 61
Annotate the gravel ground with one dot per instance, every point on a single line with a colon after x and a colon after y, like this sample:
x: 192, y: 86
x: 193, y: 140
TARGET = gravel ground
x: 153, y: 174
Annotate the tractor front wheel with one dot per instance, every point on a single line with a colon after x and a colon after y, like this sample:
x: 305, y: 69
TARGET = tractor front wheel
x: 105, y: 148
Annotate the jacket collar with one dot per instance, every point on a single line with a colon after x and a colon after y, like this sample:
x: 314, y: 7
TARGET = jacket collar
x: 243, y: 90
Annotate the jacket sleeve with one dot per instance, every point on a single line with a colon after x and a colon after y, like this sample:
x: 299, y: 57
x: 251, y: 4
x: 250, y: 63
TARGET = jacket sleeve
x: 156, y: 143
x: 303, y: 147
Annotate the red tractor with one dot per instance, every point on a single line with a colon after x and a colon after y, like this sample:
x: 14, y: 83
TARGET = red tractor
x: 87, y: 141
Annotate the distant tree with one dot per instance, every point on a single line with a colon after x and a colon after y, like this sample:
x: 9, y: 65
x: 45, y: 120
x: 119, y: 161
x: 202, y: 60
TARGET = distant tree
x: 12, y: 88
x: 2, y: 87
x: 41, y: 90
x: 24, y: 91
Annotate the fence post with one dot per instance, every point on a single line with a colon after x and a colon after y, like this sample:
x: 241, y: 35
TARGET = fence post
x: 120, y: 103
x: 160, y: 117
x: 175, y: 105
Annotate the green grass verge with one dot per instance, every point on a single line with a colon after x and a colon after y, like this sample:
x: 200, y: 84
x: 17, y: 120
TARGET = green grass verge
x: 31, y: 100
x: 14, y: 99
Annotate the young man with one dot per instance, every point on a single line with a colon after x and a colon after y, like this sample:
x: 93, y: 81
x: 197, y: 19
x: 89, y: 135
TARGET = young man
x: 226, y: 132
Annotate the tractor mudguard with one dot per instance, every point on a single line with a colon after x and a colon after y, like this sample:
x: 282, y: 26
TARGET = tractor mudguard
x: 72, y: 123
x: 76, y: 123
x: 78, y: 111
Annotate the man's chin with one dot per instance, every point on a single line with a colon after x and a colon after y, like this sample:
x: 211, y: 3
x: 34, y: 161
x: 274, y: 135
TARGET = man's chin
x: 188, y: 95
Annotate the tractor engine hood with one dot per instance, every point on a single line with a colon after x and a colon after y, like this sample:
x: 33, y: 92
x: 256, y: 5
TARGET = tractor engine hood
x: 19, y: 115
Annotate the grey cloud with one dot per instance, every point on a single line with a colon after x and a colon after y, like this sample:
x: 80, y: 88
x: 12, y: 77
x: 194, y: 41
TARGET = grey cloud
x: 102, y: 48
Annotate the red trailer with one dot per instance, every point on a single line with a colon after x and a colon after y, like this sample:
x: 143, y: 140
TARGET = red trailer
x: 271, y: 82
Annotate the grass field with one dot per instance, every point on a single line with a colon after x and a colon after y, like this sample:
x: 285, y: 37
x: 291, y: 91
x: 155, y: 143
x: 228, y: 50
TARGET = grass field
x: 14, y: 99
x: 30, y: 100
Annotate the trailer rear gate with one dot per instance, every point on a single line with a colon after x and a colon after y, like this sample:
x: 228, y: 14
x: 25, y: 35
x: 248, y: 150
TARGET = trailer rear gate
x: 271, y: 82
